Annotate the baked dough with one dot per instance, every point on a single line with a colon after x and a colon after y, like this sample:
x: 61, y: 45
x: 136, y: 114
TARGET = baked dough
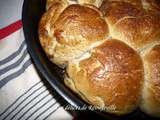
x: 110, y: 50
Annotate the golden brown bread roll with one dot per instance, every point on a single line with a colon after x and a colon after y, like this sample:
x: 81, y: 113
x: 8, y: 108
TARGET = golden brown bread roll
x: 136, y: 26
x: 110, y: 50
x: 111, y: 77
x: 151, y: 89
x: 69, y: 34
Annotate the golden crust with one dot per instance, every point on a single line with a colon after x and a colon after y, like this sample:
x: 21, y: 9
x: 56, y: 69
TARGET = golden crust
x: 131, y: 24
x: 115, y: 11
x: 97, y: 3
x: 151, y: 5
x: 74, y: 22
x: 71, y: 32
x: 136, y: 3
x: 47, y: 19
x: 113, y: 74
x: 151, y: 90
x: 49, y: 3
x: 102, y: 49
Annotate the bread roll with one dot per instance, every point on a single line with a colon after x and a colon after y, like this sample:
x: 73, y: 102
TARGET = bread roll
x: 72, y: 32
x: 136, y: 26
x: 111, y: 77
x: 151, y: 89
x: 110, y: 50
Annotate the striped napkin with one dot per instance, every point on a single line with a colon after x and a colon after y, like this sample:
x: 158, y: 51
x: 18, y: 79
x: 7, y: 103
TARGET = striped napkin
x: 23, y: 96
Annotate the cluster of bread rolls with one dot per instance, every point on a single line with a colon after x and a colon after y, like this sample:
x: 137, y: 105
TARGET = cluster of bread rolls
x: 110, y: 50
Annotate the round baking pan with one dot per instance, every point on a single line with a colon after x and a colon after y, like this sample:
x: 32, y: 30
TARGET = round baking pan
x: 32, y: 12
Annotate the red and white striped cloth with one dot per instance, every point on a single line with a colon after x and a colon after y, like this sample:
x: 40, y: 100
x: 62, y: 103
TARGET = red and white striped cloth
x: 23, y: 96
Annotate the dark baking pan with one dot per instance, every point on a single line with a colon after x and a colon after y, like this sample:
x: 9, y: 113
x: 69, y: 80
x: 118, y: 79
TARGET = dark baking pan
x: 32, y: 12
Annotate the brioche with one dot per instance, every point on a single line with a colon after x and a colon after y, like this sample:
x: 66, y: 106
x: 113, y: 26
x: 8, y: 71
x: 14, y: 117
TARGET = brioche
x: 110, y: 50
